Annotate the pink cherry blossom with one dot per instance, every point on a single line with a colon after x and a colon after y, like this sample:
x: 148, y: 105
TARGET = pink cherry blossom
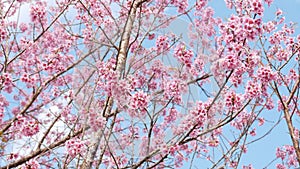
x: 31, y: 164
x: 75, y: 147
x: 147, y: 84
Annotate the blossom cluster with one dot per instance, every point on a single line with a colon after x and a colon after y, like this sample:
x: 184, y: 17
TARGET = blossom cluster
x: 288, y: 156
x: 75, y: 147
x: 139, y: 100
x: 3, y: 32
x: 173, y: 89
x: 180, y: 4
x: 38, y: 13
x: 234, y: 101
x: 183, y: 55
x: 3, y: 104
x: 162, y: 44
x: 96, y: 121
x: 7, y: 82
x: 31, y: 164
x: 252, y: 90
x: 265, y: 74
x: 27, y: 125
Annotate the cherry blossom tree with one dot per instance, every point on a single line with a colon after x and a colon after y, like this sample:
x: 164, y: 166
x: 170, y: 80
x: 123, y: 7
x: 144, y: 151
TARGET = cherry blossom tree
x: 108, y: 84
